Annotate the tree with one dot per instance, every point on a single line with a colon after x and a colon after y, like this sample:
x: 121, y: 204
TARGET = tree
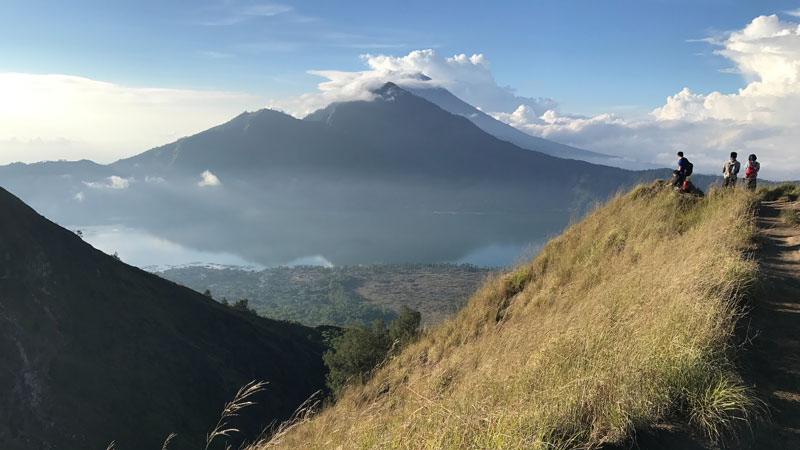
x: 243, y: 305
x: 356, y: 352
x: 405, y: 327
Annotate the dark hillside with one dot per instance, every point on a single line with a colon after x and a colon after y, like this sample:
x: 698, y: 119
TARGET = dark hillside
x: 94, y: 350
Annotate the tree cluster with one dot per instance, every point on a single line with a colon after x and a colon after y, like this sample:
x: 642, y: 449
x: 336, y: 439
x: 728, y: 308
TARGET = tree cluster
x: 357, y: 350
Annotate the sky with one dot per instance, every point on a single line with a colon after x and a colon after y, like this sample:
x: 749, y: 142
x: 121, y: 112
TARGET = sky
x: 104, y: 80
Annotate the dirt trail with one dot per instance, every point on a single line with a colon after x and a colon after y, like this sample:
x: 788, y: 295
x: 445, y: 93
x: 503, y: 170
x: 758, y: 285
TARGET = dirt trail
x: 772, y: 363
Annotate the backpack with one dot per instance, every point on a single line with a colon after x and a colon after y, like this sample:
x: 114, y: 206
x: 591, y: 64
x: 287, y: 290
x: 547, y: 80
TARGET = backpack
x: 752, y: 169
x: 689, y: 167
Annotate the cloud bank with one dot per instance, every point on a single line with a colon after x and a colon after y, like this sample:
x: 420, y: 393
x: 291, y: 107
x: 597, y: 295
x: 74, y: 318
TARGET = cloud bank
x: 50, y: 117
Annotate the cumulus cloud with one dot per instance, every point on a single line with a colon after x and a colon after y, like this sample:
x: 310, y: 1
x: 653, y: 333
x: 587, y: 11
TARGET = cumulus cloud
x: 112, y: 182
x: 209, y: 179
x: 468, y: 77
x: 50, y: 117
x: 760, y: 118
x: 80, y: 196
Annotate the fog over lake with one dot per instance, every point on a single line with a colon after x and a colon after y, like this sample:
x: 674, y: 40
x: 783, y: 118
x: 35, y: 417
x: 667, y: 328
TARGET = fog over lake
x: 485, y: 240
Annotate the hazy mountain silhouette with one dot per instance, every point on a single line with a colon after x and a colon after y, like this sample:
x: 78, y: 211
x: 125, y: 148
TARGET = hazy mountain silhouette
x: 395, y: 179
x: 93, y: 350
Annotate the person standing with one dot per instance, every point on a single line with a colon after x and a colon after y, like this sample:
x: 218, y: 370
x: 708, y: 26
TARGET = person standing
x: 729, y: 171
x: 751, y: 173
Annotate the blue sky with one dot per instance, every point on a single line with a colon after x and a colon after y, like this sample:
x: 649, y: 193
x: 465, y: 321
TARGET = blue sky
x: 104, y: 80
x: 590, y: 56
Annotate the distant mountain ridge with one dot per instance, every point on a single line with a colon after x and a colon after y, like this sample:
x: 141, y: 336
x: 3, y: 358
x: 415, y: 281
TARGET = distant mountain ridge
x: 454, y: 105
x: 93, y: 350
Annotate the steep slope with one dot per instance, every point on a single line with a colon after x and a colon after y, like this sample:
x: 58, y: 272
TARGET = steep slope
x: 93, y: 350
x: 622, y: 323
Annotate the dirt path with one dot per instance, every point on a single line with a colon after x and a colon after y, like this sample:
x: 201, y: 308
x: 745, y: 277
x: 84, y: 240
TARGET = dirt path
x: 772, y: 363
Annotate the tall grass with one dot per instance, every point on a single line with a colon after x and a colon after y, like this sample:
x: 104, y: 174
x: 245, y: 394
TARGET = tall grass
x: 783, y: 191
x: 624, y: 321
x: 240, y: 401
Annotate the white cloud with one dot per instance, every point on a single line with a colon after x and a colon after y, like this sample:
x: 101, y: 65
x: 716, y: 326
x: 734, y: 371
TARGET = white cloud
x: 80, y: 196
x: 112, y: 182
x: 49, y: 117
x: 209, y: 179
x: 227, y: 14
x: 154, y: 180
x: 761, y: 118
x: 468, y: 77
x: 794, y: 12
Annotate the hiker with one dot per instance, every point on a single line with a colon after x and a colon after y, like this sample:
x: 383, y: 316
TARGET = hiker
x: 684, y: 170
x: 676, y: 179
x: 751, y: 172
x: 729, y: 171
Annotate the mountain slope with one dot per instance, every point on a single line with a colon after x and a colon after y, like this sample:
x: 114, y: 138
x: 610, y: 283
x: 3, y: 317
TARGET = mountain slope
x: 454, y: 105
x: 93, y: 350
x: 622, y: 323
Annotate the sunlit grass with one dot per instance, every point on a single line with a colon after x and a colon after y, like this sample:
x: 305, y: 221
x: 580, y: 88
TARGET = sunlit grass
x: 624, y: 321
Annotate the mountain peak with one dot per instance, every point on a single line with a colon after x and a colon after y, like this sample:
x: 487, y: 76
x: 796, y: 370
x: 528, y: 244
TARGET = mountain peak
x: 389, y: 91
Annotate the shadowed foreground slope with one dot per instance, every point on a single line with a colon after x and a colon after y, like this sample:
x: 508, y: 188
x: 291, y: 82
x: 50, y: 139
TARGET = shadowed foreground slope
x: 93, y: 350
x: 624, y: 322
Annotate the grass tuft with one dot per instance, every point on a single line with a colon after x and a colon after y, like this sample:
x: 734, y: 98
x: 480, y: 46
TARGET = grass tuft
x: 789, y: 216
x: 168, y: 440
x: 240, y: 401
x: 783, y: 191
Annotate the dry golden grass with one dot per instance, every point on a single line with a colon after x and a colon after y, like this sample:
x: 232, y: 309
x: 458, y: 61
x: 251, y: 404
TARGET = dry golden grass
x: 624, y: 321
x: 240, y: 401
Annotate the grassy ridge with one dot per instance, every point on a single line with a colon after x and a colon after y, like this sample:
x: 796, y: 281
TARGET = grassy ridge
x: 624, y: 321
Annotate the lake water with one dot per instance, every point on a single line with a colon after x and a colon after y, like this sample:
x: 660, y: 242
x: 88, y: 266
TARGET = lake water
x: 146, y: 250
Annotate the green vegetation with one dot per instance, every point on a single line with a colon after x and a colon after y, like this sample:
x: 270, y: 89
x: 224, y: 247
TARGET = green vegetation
x: 340, y: 296
x: 358, y: 350
x: 783, y: 191
x: 623, y: 322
